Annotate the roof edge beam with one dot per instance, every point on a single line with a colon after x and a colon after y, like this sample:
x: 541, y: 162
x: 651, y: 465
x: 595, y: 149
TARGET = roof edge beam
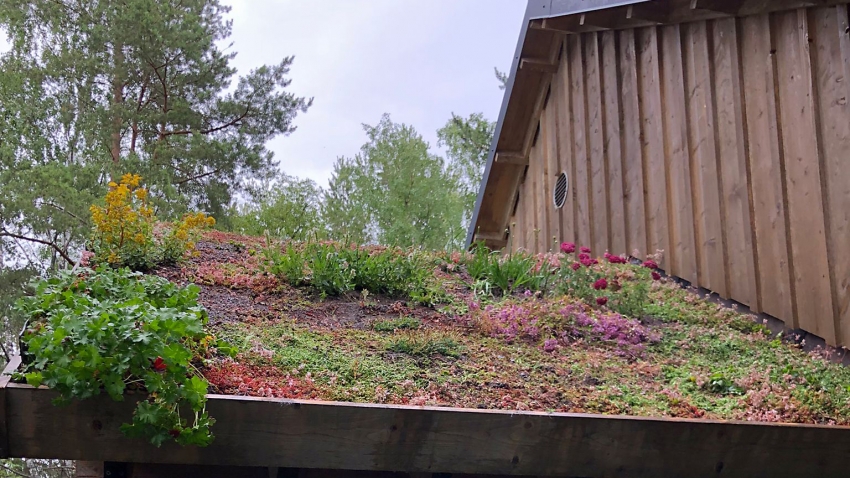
x: 728, y: 7
x: 538, y: 64
x: 512, y: 157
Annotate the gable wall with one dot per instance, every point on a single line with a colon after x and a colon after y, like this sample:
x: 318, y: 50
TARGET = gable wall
x: 725, y: 143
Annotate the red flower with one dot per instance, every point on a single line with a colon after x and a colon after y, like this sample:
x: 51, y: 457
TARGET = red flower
x: 586, y: 250
x: 650, y: 264
x: 601, y: 300
x: 576, y: 266
x: 587, y: 261
x: 615, y: 259
x: 568, y: 247
x: 159, y: 365
x: 174, y: 433
x: 600, y: 284
x: 583, y: 256
x: 656, y: 276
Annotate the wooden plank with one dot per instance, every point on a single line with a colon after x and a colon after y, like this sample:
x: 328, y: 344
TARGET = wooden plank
x: 562, y: 97
x: 582, y: 174
x: 710, y: 246
x: 732, y: 151
x: 147, y: 470
x: 553, y: 169
x: 596, y: 147
x: 652, y: 147
x: 535, y: 172
x: 771, y: 252
x: 832, y: 71
x: 310, y: 434
x: 545, y: 201
x: 633, y: 160
x: 5, y: 376
x: 88, y: 469
x: 683, y: 259
x: 612, y: 120
x: 804, y: 189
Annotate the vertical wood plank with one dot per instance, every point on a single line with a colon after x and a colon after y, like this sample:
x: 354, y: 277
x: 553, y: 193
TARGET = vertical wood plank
x: 703, y: 152
x: 804, y: 189
x: 633, y: 160
x: 552, y: 170
x: 545, y: 211
x: 652, y: 145
x: 582, y: 181
x: 596, y: 147
x: 566, y: 145
x: 676, y: 152
x: 613, y: 150
x: 535, y: 177
x: 732, y: 150
x: 771, y: 251
x: 832, y: 71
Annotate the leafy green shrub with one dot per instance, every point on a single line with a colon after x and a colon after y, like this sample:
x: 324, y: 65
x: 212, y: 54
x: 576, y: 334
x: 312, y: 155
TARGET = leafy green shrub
x: 721, y: 385
x: 424, y: 344
x: 396, y: 324
x: 113, y: 329
x: 332, y: 270
x: 506, y: 274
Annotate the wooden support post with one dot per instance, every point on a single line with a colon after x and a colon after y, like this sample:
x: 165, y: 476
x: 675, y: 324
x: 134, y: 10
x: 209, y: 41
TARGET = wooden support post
x: 538, y: 64
x: 512, y: 157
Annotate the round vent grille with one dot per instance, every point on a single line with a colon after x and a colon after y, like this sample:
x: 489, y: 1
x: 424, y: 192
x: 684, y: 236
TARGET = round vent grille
x: 559, y: 194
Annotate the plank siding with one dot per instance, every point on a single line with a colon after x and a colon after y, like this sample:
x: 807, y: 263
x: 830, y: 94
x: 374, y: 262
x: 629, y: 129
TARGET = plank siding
x: 722, y: 142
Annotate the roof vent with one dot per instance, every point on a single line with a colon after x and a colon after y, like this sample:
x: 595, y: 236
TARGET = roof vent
x: 562, y: 186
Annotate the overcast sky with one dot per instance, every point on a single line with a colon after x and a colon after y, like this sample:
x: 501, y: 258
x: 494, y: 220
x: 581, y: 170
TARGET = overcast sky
x: 418, y: 60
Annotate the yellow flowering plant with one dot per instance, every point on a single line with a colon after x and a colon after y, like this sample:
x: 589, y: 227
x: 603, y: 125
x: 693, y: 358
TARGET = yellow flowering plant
x: 126, y: 231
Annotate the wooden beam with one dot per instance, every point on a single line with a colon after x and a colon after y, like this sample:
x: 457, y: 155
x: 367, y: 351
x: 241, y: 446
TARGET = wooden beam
x: 538, y: 64
x: 649, y: 12
x: 729, y: 7
x: 512, y: 157
x: 5, y: 377
x: 612, y: 19
x: 260, y: 432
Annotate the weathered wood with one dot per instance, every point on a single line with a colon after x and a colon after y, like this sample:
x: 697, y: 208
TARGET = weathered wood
x: 633, y: 160
x: 771, y: 251
x: 538, y: 64
x: 304, y: 434
x: 512, y: 157
x: 5, y: 377
x: 732, y: 152
x: 89, y: 469
x: 832, y: 50
x: 564, y: 135
x: 651, y: 114
x: 553, y: 169
x: 612, y: 121
x: 683, y: 260
x: 582, y: 176
x: 599, y: 211
x: 729, y: 7
x: 710, y: 246
x: 802, y: 168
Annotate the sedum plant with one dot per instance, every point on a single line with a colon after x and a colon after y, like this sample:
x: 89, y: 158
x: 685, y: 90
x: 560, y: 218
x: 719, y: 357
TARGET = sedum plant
x: 116, y: 331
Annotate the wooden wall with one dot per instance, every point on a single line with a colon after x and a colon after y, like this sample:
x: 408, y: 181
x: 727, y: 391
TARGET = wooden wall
x: 725, y: 143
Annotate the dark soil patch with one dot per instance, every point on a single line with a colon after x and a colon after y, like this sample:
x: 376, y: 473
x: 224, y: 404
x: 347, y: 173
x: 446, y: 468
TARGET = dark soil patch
x: 228, y: 305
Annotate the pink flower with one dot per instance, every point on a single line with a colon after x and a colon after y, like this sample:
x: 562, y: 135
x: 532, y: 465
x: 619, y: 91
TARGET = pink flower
x: 650, y: 264
x: 568, y: 247
x: 576, y: 266
x: 601, y: 300
x: 550, y: 345
x: 586, y: 250
x: 656, y: 276
x: 601, y: 284
x: 583, y: 256
x: 587, y: 261
x: 615, y: 259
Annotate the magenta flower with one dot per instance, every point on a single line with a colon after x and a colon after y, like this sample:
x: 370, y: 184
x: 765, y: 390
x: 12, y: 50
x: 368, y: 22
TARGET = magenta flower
x: 656, y: 276
x: 615, y: 259
x: 601, y: 300
x: 550, y: 345
x: 650, y: 264
x: 568, y: 247
x: 576, y: 266
x: 587, y: 261
x: 585, y: 249
x: 601, y: 284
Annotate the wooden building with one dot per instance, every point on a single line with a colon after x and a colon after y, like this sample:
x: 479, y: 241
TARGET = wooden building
x: 717, y: 131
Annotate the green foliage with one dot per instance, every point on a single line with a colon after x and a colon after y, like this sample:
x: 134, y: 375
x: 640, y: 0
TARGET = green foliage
x: 396, y: 324
x: 424, y: 344
x: 333, y: 269
x: 289, y: 210
x: 394, y: 192
x: 90, y: 90
x: 719, y: 384
x: 507, y: 274
x: 467, y: 142
x: 110, y: 330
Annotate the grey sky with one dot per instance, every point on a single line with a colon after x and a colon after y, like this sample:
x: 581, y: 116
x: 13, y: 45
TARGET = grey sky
x: 418, y: 60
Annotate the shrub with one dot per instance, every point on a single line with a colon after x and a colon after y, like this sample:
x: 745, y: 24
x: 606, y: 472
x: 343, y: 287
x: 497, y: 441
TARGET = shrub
x: 507, y: 274
x: 126, y: 233
x: 113, y: 330
x: 424, y: 344
x: 396, y: 324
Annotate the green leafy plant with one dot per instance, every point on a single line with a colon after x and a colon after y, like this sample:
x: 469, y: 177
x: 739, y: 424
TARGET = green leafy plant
x: 506, y: 274
x: 114, y: 330
x: 721, y: 385
x: 424, y: 344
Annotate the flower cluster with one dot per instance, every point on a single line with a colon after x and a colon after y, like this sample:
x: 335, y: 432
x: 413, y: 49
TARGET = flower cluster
x: 125, y: 229
x: 628, y: 335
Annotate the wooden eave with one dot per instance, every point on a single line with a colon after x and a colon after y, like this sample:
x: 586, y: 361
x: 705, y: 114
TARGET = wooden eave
x: 545, y: 26
x: 276, y: 433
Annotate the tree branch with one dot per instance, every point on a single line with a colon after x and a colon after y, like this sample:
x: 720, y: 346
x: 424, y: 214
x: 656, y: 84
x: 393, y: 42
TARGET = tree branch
x: 5, y: 233
x: 199, y: 176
